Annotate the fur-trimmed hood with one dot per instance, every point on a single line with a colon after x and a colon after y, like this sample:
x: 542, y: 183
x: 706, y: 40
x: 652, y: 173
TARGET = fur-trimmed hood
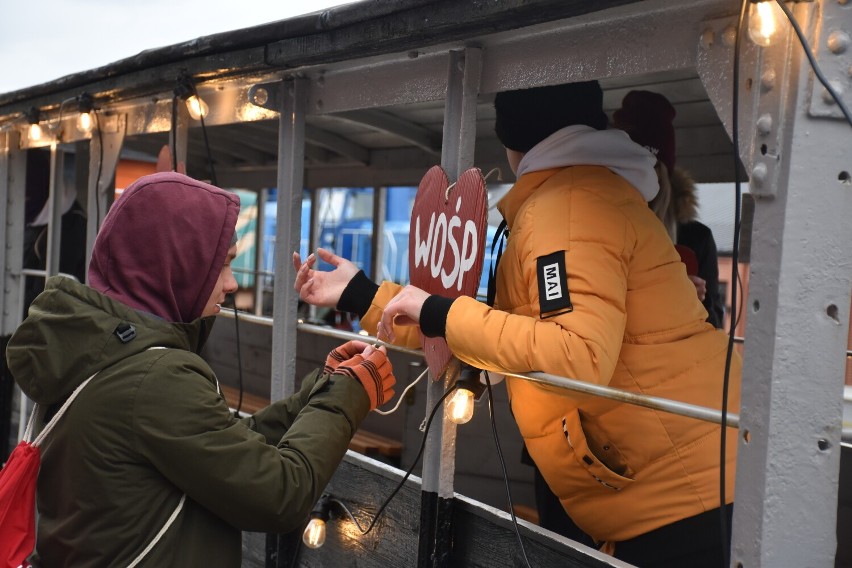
x: 684, y: 198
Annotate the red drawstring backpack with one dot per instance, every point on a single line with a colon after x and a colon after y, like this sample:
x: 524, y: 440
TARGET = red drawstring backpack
x: 18, y: 480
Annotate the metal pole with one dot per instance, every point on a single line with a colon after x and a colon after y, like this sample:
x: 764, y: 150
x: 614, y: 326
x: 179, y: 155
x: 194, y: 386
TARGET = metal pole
x: 260, y: 240
x: 377, y: 254
x: 55, y: 198
x: 435, y: 545
x: 291, y: 173
x: 790, y: 428
x: 13, y: 174
x: 573, y: 385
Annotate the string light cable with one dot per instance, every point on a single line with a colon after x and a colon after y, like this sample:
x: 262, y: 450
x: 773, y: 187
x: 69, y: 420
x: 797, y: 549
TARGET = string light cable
x: 402, y: 396
x: 97, y: 120
x: 407, y: 473
x: 503, y: 468
x: 812, y: 60
x: 735, y: 111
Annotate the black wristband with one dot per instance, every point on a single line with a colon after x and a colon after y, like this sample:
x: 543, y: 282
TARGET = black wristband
x: 358, y: 295
x: 433, y: 315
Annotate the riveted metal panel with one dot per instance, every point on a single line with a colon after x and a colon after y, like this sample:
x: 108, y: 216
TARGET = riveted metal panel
x: 799, y: 294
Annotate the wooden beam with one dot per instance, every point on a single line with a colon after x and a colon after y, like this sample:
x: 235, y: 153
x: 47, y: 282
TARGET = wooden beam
x: 406, y: 130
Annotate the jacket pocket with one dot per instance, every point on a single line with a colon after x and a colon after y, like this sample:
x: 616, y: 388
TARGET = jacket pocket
x: 582, y: 448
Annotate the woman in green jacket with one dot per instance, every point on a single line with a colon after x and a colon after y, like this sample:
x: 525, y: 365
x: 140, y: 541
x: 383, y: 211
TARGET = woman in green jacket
x: 152, y: 427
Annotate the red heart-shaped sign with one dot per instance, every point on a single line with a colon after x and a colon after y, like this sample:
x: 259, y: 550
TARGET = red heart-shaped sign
x: 446, y: 244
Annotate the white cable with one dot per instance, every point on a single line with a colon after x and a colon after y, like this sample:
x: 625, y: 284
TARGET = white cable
x: 402, y: 396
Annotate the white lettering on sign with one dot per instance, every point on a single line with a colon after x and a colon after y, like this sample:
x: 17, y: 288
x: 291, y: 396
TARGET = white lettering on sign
x: 443, y: 233
x: 552, y: 286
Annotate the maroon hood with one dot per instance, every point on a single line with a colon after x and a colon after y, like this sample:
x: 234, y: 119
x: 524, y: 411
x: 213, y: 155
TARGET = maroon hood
x: 163, y: 244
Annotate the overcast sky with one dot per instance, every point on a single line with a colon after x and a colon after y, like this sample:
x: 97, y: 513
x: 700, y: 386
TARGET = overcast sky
x: 43, y: 40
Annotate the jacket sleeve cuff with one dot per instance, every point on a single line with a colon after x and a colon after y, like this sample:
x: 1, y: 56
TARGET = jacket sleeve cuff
x: 433, y: 316
x: 358, y: 295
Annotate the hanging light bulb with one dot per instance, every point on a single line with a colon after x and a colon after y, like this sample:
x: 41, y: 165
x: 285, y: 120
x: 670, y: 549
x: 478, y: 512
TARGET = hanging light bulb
x: 86, y: 118
x: 468, y: 388
x: 34, y: 132
x: 314, y: 535
x: 460, y: 407
x: 85, y: 122
x: 764, y: 21
x: 197, y: 107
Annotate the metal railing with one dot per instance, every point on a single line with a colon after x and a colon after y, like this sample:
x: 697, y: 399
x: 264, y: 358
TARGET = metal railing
x: 574, y: 385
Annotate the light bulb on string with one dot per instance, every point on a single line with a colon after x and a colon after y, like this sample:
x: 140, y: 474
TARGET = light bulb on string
x: 468, y: 388
x: 460, y: 406
x: 85, y: 122
x: 34, y: 131
x: 764, y: 22
x: 197, y: 107
x: 314, y: 535
x: 86, y: 118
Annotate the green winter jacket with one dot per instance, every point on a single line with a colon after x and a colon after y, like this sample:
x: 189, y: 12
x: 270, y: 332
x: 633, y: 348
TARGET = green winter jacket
x: 152, y: 426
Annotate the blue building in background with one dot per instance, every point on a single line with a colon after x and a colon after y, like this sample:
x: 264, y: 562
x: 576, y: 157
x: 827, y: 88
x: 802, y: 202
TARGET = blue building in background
x: 346, y: 227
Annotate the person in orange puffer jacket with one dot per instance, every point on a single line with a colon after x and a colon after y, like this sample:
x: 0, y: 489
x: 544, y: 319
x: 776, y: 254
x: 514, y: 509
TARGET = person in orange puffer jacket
x: 590, y: 287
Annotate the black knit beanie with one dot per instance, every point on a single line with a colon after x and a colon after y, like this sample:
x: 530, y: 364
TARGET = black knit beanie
x: 528, y: 116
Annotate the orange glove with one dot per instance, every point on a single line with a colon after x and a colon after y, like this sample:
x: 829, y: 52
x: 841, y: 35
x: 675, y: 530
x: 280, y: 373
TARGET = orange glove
x: 373, y: 370
x: 340, y: 354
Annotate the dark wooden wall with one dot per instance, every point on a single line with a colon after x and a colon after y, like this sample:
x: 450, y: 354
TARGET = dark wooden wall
x: 482, y: 537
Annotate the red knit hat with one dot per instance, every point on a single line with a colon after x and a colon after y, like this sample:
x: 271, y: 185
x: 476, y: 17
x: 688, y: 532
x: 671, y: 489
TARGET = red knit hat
x: 647, y: 117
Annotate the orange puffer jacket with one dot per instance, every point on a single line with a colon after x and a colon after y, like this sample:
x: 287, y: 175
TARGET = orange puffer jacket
x: 620, y: 470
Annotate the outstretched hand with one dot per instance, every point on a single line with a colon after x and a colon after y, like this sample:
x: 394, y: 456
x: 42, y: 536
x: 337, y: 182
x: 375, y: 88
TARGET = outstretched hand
x: 403, y: 309
x: 318, y: 287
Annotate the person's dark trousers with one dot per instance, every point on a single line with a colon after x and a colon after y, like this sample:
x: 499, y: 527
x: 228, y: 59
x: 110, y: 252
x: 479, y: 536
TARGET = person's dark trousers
x: 694, y: 542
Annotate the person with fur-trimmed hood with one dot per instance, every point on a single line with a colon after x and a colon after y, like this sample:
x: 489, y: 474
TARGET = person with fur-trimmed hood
x: 589, y: 286
x: 648, y: 117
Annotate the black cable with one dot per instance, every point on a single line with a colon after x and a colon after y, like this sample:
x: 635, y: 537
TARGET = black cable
x: 213, y: 179
x: 814, y: 65
x: 100, y: 171
x: 503, y: 468
x: 174, y: 133
x: 407, y: 473
x: 735, y: 110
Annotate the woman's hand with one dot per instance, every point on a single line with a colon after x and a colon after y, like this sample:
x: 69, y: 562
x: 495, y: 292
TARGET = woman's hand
x: 318, y: 287
x: 403, y: 309
x: 700, y: 287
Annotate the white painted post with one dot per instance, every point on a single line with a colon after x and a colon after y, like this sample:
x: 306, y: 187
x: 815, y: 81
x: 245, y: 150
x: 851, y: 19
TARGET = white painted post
x: 13, y: 174
x: 291, y: 175
x: 799, y: 295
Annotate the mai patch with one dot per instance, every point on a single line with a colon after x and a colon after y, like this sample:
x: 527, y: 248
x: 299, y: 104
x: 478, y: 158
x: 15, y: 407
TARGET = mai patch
x: 553, y: 297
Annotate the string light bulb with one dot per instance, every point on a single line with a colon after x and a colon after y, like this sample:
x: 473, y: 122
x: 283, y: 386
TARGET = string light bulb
x: 197, y: 107
x: 764, y: 22
x: 468, y: 388
x: 34, y: 132
x: 185, y: 89
x: 314, y: 535
x: 86, y: 119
